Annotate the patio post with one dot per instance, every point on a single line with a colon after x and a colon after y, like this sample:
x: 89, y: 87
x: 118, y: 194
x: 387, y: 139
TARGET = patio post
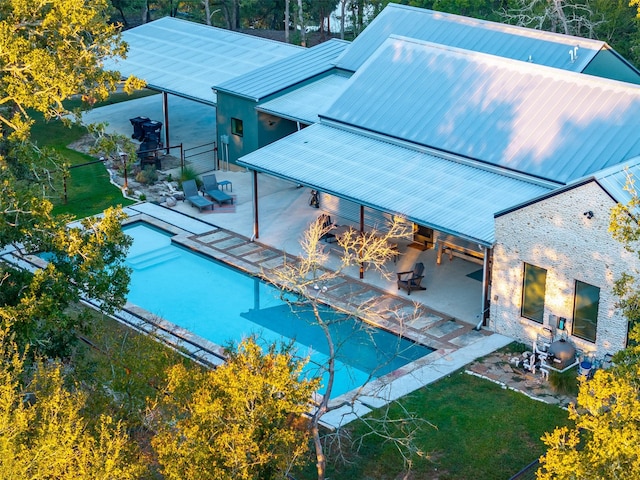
x: 165, y: 110
x: 254, y: 192
x: 361, y: 236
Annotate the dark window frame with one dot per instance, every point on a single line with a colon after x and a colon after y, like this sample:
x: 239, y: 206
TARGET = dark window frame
x: 237, y: 127
x: 585, y: 313
x: 532, y: 306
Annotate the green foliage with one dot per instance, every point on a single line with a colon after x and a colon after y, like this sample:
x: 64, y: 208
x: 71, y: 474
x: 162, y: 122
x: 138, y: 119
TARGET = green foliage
x: 148, y: 176
x: 239, y: 421
x: 188, y: 173
x: 565, y: 383
x: 50, y: 52
x: 43, y: 433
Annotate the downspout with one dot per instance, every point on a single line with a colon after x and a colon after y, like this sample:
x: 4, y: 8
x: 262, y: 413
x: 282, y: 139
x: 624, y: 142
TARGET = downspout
x: 254, y: 192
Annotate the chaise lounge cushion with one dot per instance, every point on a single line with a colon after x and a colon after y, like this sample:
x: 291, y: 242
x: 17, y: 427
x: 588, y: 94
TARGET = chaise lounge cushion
x: 211, y: 189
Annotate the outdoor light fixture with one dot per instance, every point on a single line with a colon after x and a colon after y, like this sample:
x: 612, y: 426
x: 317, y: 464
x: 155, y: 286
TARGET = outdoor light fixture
x: 588, y: 214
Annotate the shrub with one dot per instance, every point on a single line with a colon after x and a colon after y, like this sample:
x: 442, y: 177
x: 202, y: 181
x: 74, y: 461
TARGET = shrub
x: 189, y: 173
x: 564, y: 383
x: 147, y: 176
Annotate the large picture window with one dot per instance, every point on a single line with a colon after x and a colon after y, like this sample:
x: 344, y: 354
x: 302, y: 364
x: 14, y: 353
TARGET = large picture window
x: 533, y: 291
x: 585, y: 311
x: 237, y: 128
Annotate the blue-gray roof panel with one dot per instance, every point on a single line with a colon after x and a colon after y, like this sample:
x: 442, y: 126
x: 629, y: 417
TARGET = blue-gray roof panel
x: 285, y: 73
x: 517, y: 43
x: 541, y: 121
x: 449, y: 196
x: 187, y: 58
x: 304, y: 103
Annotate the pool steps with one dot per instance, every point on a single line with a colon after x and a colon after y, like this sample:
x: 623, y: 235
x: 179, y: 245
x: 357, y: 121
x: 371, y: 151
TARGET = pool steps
x: 152, y: 258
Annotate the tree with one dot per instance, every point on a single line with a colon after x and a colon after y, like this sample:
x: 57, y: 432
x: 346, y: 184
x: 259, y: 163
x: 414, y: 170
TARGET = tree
x: 603, y: 443
x: 306, y: 278
x: 51, y: 50
x: 243, y: 420
x: 43, y: 433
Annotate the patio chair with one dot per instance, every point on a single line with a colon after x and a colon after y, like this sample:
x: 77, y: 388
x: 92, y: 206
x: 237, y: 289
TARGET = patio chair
x: 211, y: 189
x: 326, y: 224
x: 190, y: 189
x: 412, y: 279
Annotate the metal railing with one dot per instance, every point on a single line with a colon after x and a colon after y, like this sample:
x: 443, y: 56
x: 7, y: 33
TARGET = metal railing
x: 201, y: 158
x: 528, y: 472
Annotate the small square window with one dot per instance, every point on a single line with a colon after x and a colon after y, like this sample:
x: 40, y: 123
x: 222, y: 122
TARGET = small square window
x: 237, y: 127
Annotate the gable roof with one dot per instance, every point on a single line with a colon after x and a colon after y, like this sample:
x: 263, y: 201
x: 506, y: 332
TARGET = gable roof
x: 540, y: 121
x: 187, y: 59
x: 517, y: 43
x: 277, y: 76
x: 446, y: 194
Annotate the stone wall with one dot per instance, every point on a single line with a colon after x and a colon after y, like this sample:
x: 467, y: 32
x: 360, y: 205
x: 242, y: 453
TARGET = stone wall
x: 555, y: 234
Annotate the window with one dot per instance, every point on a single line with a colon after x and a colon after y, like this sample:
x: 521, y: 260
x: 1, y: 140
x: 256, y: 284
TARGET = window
x: 533, y: 290
x: 585, y: 311
x: 236, y: 127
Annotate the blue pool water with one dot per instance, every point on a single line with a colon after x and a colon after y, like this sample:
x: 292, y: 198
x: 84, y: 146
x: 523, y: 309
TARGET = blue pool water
x: 224, y: 305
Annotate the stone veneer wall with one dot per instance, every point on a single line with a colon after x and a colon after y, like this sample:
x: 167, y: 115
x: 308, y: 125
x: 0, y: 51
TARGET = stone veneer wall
x: 556, y: 235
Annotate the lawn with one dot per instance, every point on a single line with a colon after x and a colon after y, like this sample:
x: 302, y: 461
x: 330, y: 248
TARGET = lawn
x: 478, y: 431
x: 89, y: 191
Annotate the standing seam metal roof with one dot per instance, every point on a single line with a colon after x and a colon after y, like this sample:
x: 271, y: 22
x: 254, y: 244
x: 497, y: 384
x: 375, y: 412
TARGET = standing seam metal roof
x: 285, y: 73
x: 304, y: 103
x: 518, y: 43
x: 541, y: 121
x: 451, y: 197
x: 187, y: 58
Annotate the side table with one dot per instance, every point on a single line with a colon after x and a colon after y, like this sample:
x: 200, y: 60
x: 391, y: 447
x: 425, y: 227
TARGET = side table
x: 225, y: 184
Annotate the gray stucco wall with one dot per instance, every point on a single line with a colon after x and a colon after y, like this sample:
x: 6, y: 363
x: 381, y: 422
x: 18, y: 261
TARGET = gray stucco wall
x: 556, y: 235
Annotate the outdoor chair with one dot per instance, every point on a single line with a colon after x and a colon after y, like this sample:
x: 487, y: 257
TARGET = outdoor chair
x: 412, y: 280
x: 326, y: 224
x: 190, y: 189
x: 211, y: 189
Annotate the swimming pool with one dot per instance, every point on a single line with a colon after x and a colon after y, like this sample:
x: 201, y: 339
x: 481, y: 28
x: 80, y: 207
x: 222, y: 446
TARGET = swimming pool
x: 222, y: 304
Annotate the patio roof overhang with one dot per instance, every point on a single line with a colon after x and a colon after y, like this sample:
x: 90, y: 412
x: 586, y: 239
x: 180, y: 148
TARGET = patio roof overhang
x: 449, y: 194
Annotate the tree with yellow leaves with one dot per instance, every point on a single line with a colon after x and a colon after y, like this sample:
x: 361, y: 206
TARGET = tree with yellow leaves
x: 43, y: 433
x: 242, y: 421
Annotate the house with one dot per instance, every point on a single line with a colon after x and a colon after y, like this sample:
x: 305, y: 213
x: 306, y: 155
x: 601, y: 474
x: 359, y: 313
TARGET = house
x: 512, y: 161
x: 505, y: 144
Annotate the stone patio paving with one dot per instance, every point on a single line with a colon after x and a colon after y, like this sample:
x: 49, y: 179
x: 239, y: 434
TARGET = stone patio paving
x: 498, y: 368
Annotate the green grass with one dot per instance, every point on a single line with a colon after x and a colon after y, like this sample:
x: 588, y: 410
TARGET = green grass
x: 89, y: 191
x: 479, y: 431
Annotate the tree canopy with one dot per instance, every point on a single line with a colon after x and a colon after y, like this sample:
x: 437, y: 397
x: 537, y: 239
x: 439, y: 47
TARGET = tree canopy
x: 243, y: 420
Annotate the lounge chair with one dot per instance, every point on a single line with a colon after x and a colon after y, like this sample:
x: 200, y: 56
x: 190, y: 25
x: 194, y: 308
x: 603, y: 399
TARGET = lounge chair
x: 190, y: 189
x: 412, y: 280
x: 326, y: 224
x: 210, y: 188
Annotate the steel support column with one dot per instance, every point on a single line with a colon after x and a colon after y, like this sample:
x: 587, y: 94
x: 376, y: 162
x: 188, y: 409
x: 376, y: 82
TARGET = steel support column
x: 165, y: 111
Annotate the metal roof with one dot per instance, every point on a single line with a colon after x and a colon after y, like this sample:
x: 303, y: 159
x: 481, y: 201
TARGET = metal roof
x: 518, y: 43
x: 614, y: 180
x: 446, y: 195
x: 187, y: 59
x: 275, y: 77
x: 541, y: 121
x: 304, y: 103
